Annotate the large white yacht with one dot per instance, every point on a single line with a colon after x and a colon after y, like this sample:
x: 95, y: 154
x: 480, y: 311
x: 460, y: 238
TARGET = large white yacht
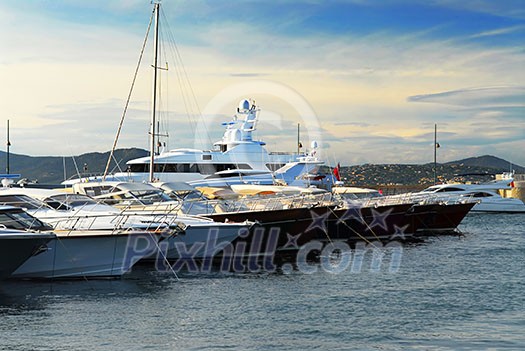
x: 235, y: 159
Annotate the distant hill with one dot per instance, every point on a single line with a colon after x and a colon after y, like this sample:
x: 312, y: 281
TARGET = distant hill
x: 488, y: 161
x: 423, y: 175
x: 50, y: 169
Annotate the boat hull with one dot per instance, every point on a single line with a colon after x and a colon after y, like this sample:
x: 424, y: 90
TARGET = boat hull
x: 17, y: 248
x: 89, y: 256
x: 441, y: 218
x: 283, y: 229
x: 369, y: 223
x: 199, y: 241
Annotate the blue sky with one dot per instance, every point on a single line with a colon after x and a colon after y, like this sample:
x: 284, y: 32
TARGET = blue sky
x: 368, y: 79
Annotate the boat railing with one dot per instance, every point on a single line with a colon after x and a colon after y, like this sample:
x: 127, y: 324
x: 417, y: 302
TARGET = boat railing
x: 116, y: 223
x: 259, y: 203
x: 421, y: 199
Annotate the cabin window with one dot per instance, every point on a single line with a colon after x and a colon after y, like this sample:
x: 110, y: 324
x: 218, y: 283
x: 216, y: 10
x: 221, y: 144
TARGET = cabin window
x: 274, y: 166
x: 481, y: 195
x: 206, y: 157
x: 444, y: 190
x: 204, y: 168
x: 20, y: 201
x: 139, y: 168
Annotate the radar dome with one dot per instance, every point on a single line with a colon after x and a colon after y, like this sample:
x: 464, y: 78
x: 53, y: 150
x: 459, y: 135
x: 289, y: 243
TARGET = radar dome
x: 244, y: 105
x: 314, y: 144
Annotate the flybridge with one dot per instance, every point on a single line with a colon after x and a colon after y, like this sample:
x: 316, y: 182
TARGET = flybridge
x: 247, y: 118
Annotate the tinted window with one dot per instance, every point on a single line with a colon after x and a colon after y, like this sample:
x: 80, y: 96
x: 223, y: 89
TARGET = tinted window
x: 21, y: 201
x: 444, y: 190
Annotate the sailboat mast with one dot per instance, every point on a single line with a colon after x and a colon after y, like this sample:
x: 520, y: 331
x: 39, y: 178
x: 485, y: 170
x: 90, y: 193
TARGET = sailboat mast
x: 298, y: 138
x: 435, y: 154
x: 154, y: 94
x: 8, y: 145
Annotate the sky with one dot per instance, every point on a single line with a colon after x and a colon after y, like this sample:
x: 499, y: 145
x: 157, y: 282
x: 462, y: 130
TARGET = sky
x: 367, y: 79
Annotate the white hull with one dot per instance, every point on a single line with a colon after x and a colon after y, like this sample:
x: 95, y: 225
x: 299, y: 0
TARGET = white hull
x: 88, y: 256
x: 511, y: 206
x: 200, y: 241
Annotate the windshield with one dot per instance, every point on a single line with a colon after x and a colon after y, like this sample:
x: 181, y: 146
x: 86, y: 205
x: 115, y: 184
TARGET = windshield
x: 191, y: 195
x: 149, y: 197
x: 69, y: 200
x: 18, y: 219
x: 21, y: 201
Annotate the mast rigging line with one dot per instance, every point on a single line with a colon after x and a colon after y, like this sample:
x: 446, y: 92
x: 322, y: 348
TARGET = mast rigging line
x: 188, y: 94
x: 129, y: 97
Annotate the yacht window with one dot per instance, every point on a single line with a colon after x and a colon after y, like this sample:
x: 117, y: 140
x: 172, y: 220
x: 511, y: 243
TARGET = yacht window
x: 206, y: 157
x: 69, y: 200
x: 21, y: 201
x: 97, y: 190
x: 444, y: 190
x: 76, y: 199
x: 139, y: 168
x: 151, y: 197
x: 57, y: 205
x: 274, y: 166
x: 21, y: 220
x: 204, y: 168
x: 10, y: 223
x: 481, y: 195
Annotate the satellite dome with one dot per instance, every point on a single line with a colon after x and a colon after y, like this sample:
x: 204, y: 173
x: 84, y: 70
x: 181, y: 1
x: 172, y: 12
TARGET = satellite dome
x: 244, y: 105
x: 314, y: 144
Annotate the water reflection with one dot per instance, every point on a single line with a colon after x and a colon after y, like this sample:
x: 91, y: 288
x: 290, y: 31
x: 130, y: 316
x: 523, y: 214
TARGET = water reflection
x: 20, y: 295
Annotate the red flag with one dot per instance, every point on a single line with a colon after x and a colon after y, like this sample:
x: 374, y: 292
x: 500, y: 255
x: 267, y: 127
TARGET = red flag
x: 336, y: 173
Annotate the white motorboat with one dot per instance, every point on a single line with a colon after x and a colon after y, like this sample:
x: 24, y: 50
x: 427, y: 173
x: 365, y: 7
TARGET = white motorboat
x: 87, y: 244
x: 145, y: 199
x: 485, y: 194
x: 72, y: 212
x: 236, y: 159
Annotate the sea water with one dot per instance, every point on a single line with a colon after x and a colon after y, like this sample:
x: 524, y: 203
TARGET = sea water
x: 448, y: 293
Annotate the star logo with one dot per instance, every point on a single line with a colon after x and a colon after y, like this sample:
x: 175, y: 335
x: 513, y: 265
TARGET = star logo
x: 399, y: 232
x: 292, y: 241
x: 318, y: 221
x: 380, y: 218
x: 353, y: 212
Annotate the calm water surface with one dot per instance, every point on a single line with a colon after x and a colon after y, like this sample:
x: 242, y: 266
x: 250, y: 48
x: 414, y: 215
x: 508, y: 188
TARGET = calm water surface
x: 450, y: 293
